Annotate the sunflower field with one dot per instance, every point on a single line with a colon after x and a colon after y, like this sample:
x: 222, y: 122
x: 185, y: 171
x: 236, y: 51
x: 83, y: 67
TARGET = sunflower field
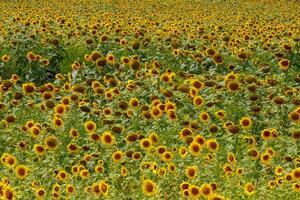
x: 150, y: 99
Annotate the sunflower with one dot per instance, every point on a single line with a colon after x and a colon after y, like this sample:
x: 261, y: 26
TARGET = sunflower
x: 70, y: 189
x: 56, y: 188
x: 39, y: 149
x: 215, y: 197
x: 134, y: 102
x: 155, y: 112
x: 185, y: 132
x: 44, y: 62
x: 85, y: 174
x: 212, y: 145
x: 15, y: 78
x: 195, y: 148
x: 230, y: 77
x: 90, y: 126
x: 101, y: 62
x: 146, y: 165
x: 2, y: 105
x: 96, y: 188
x: 218, y: 59
x: 220, y: 114
x: 104, y: 38
x: 146, y: 144
x: 184, y: 186
x: 241, y: 56
x: 296, y: 134
x: 123, y: 42
x: 186, y: 193
x: 135, y: 64
x: 99, y: 169
x: 51, y: 143
x: 60, y: 109
x: 125, y: 60
x: 210, y: 52
x: 21, y: 171
x: 131, y: 138
x: 95, y: 55
x: 200, y: 140
x: 165, y: 77
x: 183, y: 152
x: 279, y: 181
x: 110, y: 58
x: 117, y: 156
x: 198, y: 85
x: 73, y: 133
x: 66, y: 100
x: 191, y: 172
x: 246, y: 122
x: 271, y: 184
x: 172, y: 167
x: 170, y: 106
x: 62, y: 175
x: 233, y: 85
x: 288, y: 177
x: 239, y: 171
x: 154, y: 138
x: 47, y: 95
x: 107, y: 138
x: 109, y: 95
x: 161, y: 107
x: 266, y: 134
x: 194, y: 192
x: 161, y: 172
x: 8, y: 160
x: 278, y: 170
x: 296, y: 174
x: 89, y: 41
x: 296, y: 187
x: 253, y: 153
x: 40, y: 193
x: 214, y: 186
x: 167, y: 156
x: 206, y: 190
x: 172, y: 115
x: 58, y: 122
x: 28, y: 88
x: 294, y: 117
x: 193, y: 92
x: 72, y: 148
x: 22, y: 145
x: 95, y: 137
x: 30, y: 56
x: 265, y: 158
x: 124, y: 171
x: 204, y: 117
x: 104, y: 187
x: 10, y: 118
x: 249, y: 189
x: 227, y: 168
x: 176, y: 52
x: 5, y: 58
x: 75, y: 169
x: 149, y: 187
x: 231, y: 157
x: 155, y: 102
x: 284, y: 64
x: 198, y: 101
x: 107, y: 111
x: 35, y: 131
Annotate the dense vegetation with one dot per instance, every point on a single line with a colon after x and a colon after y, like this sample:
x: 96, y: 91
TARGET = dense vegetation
x: 148, y: 99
